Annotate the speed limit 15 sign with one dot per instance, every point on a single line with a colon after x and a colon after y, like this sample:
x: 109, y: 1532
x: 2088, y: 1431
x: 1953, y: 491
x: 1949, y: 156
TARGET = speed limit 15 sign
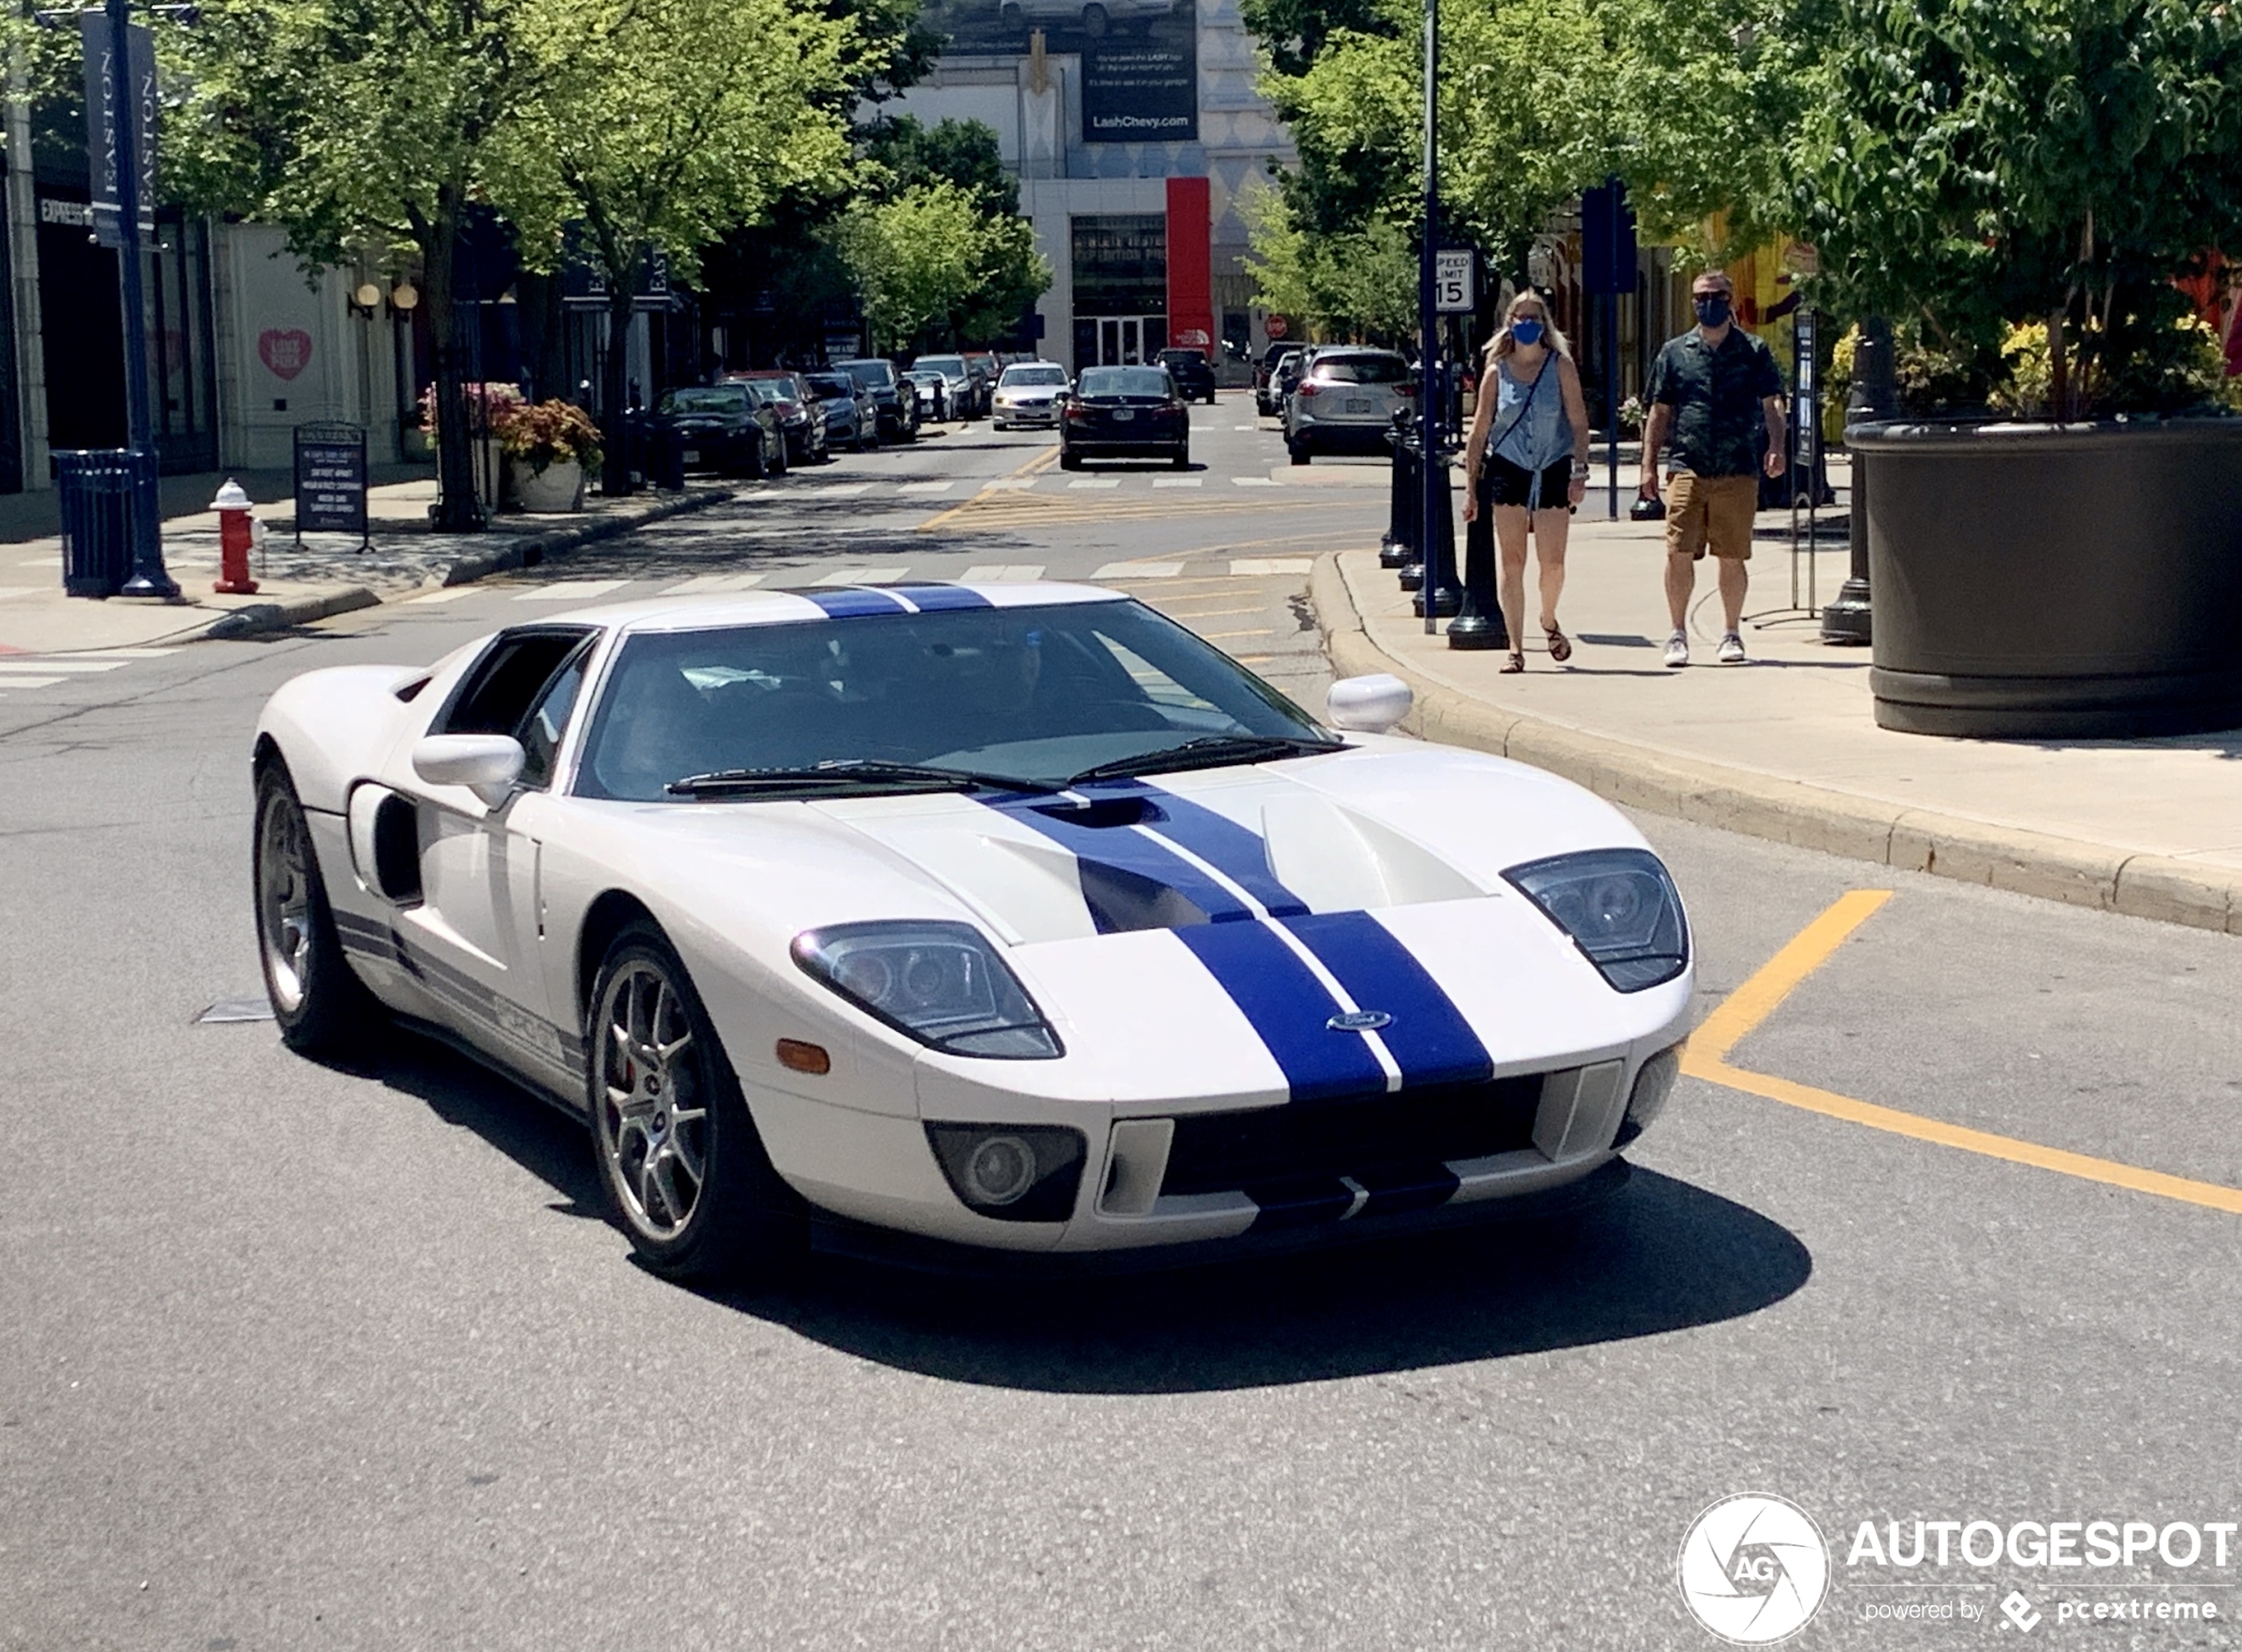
x: 1455, y: 291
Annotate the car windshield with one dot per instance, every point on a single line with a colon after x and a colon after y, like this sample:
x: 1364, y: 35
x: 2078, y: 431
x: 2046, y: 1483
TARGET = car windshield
x: 1370, y: 369
x: 948, y: 366
x: 705, y: 399
x: 832, y: 386
x: 1015, y: 376
x: 873, y: 373
x: 1032, y: 694
x: 1124, y: 381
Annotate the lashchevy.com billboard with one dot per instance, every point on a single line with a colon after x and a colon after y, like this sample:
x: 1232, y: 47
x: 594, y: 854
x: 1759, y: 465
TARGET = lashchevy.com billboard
x: 1139, y: 57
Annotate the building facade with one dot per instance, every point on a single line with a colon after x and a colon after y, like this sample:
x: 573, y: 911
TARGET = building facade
x: 1138, y: 137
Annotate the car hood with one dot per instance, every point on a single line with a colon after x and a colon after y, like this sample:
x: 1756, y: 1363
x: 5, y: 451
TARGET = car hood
x: 1146, y: 923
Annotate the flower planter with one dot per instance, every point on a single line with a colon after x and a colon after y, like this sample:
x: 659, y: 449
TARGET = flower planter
x: 559, y: 487
x: 2038, y: 582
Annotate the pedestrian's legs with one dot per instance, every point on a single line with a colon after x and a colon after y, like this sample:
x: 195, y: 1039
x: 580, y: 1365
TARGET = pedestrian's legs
x: 1552, y: 530
x: 1510, y: 539
x: 1736, y: 574
x: 1680, y: 583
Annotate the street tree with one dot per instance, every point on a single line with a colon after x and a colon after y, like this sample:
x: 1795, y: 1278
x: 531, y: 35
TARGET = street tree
x: 351, y: 124
x: 935, y: 267
x: 660, y: 125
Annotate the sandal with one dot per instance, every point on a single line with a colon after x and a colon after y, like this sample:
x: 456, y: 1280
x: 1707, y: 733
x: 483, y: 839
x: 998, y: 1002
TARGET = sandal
x: 1560, y: 648
x: 1516, y: 663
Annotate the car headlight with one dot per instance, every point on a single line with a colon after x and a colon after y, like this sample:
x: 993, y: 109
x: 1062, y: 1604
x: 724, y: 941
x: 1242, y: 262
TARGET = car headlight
x: 1620, y: 907
x: 940, y: 982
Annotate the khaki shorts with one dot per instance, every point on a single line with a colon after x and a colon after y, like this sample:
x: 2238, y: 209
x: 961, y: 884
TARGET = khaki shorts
x: 1715, y: 511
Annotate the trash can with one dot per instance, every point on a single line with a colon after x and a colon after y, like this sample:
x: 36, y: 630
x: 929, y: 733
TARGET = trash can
x: 97, y: 489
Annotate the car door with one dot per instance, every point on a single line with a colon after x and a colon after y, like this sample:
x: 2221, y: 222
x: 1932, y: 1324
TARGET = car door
x: 477, y: 930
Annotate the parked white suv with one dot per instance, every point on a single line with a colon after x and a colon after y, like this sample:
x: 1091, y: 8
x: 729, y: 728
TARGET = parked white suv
x: 1347, y: 400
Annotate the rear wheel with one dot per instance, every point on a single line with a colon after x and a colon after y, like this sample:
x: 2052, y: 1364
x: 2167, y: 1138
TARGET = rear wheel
x: 1069, y: 462
x: 1182, y: 461
x: 1298, y: 447
x: 678, y: 1156
x: 321, y: 1007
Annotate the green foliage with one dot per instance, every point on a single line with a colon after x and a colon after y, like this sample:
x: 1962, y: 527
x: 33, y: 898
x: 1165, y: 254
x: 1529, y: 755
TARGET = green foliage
x: 935, y: 267
x: 548, y: 433
x: 964, y: 153
x: 1538, y: 100
x: 1355, y: 284
x: 1980, y: 165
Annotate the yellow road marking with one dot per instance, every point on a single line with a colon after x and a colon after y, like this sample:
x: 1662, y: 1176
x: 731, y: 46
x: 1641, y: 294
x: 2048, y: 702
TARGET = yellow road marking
x: 1210, y: 613
x: 1224, y: 637
x: 1041, y: 462
x: 1706, y: 1057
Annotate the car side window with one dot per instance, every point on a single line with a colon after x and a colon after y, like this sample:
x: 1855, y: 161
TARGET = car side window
x: 508, y: 680
x: 548, y: 719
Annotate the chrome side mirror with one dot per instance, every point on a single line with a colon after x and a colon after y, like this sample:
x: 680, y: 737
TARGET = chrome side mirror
x: 485, y: 764
x: 1369, y: 705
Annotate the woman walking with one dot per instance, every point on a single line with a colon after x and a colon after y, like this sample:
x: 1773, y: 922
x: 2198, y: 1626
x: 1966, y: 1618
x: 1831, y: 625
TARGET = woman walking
x: 1527, y: 461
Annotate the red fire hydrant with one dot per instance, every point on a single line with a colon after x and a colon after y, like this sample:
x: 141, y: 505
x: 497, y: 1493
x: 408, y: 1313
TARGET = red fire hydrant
x: 235, y: 534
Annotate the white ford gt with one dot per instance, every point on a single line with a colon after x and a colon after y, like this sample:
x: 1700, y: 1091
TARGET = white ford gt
x: 1015, y: 917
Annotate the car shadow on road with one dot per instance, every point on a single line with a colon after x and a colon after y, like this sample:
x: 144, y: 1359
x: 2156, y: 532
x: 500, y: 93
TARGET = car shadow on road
x: 1659, y: 1256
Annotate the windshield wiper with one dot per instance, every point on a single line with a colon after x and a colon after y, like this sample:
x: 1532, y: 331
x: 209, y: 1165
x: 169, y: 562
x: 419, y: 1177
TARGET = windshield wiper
x: 858, y: 773
x: 1208, y: 751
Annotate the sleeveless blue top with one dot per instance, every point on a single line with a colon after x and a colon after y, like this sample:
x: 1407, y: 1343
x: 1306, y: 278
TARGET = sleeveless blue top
x: 1531, y: 427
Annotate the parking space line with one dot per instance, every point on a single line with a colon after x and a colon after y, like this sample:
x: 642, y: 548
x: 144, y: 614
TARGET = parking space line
x: 1706, y: 1057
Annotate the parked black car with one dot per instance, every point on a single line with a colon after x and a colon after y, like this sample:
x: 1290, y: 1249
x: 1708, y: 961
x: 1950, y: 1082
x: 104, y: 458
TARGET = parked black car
x: 1124, y: 413
x: 898, y: 411
x: 800, y: 414
x: 724, y: 427
x: 848, y: 412
x: 1194, y: 379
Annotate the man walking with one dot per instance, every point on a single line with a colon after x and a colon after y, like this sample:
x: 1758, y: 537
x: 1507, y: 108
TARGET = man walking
x: 1702, y: 391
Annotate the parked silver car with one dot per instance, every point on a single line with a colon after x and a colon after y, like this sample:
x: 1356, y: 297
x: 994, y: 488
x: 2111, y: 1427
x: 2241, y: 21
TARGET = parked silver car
x: 1346, y: 400
x: 1029, y: 394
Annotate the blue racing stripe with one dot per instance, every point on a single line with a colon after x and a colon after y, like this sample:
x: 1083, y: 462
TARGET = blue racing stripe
x: 1128, y: 850
x: 853, y: 602
x: 1238, y: 852
x: 1428, y: 1036
x: 1289, y: 1008
x: 941, y: 598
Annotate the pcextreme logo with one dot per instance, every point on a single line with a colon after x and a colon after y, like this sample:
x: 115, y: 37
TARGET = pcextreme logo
x: 1753, y: 1569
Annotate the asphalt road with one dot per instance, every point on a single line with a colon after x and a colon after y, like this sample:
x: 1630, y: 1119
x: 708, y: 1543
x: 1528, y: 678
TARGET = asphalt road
x: 296, y: 1356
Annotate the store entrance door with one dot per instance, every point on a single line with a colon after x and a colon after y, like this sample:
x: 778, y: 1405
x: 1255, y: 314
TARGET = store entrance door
x: 1118, y: 341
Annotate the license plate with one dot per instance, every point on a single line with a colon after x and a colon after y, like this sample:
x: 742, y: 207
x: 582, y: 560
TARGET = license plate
x: 1356, y: 405
x: 1122, y: 415
x: 691, y: 455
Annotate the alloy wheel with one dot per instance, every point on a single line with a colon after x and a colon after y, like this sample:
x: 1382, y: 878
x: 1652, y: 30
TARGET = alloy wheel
x: 284, y: 901
x: 651, y: 1095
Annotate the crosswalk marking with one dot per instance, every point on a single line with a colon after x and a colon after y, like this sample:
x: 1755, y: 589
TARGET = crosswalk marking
x: 7, y: 591
x: 120, y: 655
x: 1256, y: 481
x: 571, y: 590
x: 1169, y: 482
x: 1008, y: 485
x: 31, y: 682
x: 1263, y: 567
x: 1095, y: 482
x: 926, y: 487
x: 845, y: 490
x: 48, y: 668
x: 703, y: 584
x: 449, y: 593
x: 1245, y: 427
x: 1003, y: 574
x: 863, y: 576
x: 1138, y: 570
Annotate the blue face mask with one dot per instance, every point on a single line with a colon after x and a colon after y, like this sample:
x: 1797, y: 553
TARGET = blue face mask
x: 1712, y: 308
x: 1526, y: 330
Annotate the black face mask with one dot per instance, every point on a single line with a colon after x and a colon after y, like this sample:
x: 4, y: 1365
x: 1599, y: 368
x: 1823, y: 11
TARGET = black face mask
x: 1712, y: 308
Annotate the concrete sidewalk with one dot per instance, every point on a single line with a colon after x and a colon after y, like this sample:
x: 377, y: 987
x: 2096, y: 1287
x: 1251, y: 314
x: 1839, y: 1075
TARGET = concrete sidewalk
x: 326, y: 574
x: 1786, y: 746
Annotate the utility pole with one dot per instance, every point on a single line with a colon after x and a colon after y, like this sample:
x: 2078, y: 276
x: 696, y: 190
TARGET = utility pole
x: 1433, y: 499
x: 149, y: 576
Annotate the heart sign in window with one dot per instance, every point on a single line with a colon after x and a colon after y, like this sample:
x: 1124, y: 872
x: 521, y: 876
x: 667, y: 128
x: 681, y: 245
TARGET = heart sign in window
x: 286, y: 350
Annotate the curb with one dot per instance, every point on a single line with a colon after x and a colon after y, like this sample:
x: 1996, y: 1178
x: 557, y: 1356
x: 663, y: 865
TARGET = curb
x: 2080, y: 874
x: 527, y: 550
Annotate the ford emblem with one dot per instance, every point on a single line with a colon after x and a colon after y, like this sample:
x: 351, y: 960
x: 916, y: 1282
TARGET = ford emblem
x: 1359, y: 1021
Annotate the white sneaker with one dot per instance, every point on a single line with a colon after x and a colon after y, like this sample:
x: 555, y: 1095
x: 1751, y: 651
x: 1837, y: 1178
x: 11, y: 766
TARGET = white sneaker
x: 1677, y: 649
x: 1732, y: 650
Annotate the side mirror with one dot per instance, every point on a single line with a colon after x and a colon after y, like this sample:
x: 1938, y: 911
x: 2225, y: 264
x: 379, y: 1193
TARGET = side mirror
x: 1369, y: 705
x: 485, y: 764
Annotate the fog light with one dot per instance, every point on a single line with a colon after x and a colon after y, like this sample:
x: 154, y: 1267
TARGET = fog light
x: 1011, y: 1172
x: 1653, y: 1083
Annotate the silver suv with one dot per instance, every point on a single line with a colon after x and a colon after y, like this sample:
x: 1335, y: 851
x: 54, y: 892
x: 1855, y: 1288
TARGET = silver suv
x: 1346, y: 400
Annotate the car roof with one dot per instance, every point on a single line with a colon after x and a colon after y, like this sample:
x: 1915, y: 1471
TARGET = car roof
x: 717, y: 611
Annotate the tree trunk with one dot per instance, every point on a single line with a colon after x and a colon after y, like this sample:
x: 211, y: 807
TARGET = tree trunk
x: 545, y: 341
x: 458, y: 509
x: 2059, y: 372
x: 615, y: 394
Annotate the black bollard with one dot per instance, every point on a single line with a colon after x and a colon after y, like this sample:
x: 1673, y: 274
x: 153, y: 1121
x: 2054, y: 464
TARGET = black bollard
x: 1398, y: 548
x: 1478, y: 623
x: 1448, y: 597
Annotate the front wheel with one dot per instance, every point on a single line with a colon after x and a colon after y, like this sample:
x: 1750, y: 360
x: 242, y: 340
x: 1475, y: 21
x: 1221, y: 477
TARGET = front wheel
x: 320, y: 1005
x: 678, y: 1156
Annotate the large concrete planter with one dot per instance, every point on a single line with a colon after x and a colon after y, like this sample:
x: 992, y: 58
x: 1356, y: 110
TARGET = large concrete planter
x: 2037, y: 582
x: 556, y: 489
